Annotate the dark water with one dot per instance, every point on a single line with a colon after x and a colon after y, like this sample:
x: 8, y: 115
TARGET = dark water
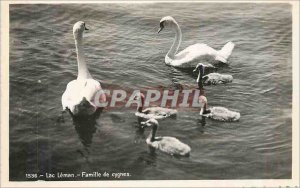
x: 123, y: 50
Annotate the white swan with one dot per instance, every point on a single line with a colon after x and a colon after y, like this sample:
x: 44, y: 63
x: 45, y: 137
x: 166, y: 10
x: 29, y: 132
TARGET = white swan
x: 191, y: 54
x: 165, y: 144
x: 217, y: 112
x: 212, y: 78
x: 78, y: 97
x: 152, y: 112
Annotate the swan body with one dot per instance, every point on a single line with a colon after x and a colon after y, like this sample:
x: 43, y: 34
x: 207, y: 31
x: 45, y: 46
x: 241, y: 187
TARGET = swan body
x: 217, y: 113
x: 79, y: 95
x: 216, y: 78
x: 189, y: 56
x: 156, y: 113
x: 212, y: 78
x: 153, y: 112
x: 166, y: 144
x: 223, y: 114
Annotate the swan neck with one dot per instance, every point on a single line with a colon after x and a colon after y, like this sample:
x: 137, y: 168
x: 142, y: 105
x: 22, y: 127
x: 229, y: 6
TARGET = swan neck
x: 140, y: 107
x: 205, y: 106
x: 152, y: 133
x: 200, y: 75
x: 175, y: 46
x: 83, y: 72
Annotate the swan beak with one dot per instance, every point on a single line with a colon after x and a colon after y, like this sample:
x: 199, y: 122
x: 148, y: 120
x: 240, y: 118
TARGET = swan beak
x: 86, y: 28
x: 144, y: 124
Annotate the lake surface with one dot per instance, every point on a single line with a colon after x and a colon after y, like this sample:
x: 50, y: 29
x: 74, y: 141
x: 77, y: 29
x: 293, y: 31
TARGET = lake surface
x: 124, y: 51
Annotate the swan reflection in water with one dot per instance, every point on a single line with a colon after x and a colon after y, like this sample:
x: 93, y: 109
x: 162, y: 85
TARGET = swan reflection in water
x: 139, y: 132
x: 201, y: 123
x: 140, y: 136
x: 202, y: 120
x: 178, y: 74
x: 149, y: 158
x: 85, y: 127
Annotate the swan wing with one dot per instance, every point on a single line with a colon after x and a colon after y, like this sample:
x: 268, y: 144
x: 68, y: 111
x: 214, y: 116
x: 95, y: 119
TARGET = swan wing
x: 77, y: 90
x: 160, y: 111
x: 193, y: 53
x: 223, y: 114
x: 71, y: 96
x: 149, y: 116
x: 216, y: 78
x: 173, y: 146
x: 91, y: 87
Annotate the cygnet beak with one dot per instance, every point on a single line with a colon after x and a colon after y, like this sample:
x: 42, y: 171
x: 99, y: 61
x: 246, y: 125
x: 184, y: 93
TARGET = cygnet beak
x: 146, y: 123
x: 159, y: 30
x: 195, y: 70
x: 161, y: 27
